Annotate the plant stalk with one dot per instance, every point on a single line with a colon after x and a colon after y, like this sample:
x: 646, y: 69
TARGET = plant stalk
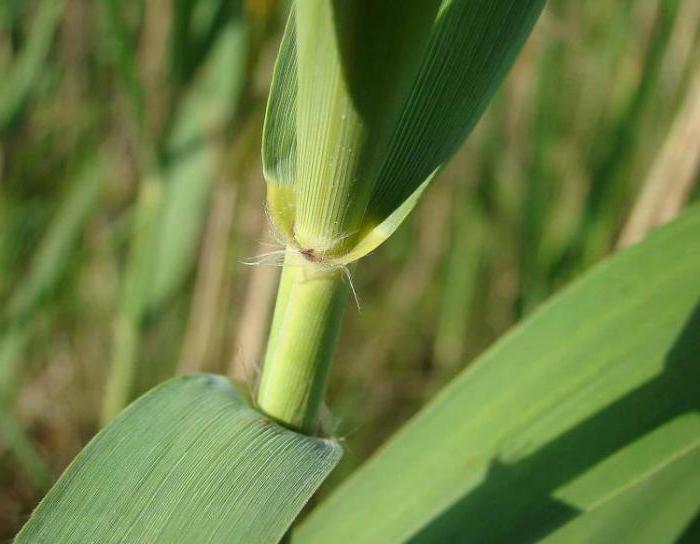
x: 311, y: 300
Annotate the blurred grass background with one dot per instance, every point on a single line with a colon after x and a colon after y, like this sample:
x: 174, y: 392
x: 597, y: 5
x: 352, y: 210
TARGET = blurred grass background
x: 131, y: 190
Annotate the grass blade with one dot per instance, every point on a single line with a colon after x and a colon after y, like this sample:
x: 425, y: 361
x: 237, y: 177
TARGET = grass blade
x: 194, y: 157
x: 55, y: 249
x: 532, y: 435
x: 17, y: 85
x: 46, y: 269
x: 673, y: 174
x: 173, y: 203
x: 187, y: 462
x: 655, y: 508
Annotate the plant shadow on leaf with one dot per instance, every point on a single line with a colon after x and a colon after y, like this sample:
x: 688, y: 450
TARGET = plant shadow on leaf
x: 691, y: 533
x: 517, y: 497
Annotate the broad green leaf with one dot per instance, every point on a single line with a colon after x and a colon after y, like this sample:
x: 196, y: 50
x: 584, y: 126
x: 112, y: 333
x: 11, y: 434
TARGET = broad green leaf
x: 656, y: 508
x: 187, y: 462
x: 368, y: 101
x: 593, y: 392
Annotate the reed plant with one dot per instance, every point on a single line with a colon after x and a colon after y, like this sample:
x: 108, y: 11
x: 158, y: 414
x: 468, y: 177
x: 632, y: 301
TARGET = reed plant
x: 362, y: 114
x: 579, y: 425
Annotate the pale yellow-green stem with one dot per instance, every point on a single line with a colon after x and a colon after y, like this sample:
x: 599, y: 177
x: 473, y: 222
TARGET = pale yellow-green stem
x: 308, y: 313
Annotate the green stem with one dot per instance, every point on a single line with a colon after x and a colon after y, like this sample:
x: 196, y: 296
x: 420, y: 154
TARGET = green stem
x: 310, y: 304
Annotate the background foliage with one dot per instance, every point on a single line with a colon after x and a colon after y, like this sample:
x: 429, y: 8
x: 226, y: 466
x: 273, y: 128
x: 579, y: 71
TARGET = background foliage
x: 105, y: 256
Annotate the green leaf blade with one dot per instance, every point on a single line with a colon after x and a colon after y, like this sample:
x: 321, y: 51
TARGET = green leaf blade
x: 17, y: 85
x: 527, y: 439
x: 472, y: 47
x: 188, y: 462
x: 194, y: 150
x: 656, y: 508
